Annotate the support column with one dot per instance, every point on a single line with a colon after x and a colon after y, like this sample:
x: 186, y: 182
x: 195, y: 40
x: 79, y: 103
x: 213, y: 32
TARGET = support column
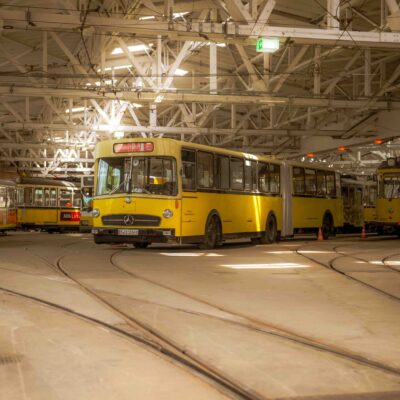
x: 333, y: 14
x: 267, y: 68
x: 233, y: 116
x: 213, y: 60
x: 367, y: 73
x: 317, y: 70
x: 44, y: 57
x: 159, y: 61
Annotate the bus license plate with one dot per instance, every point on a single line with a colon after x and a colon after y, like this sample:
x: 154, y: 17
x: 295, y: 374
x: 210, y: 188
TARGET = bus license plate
x: 128, y: 232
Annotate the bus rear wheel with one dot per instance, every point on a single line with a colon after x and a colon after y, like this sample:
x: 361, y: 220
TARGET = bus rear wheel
x: 141, y: 245
x: 212, y: 234
x: 327, y: 226
x: 271, y: 231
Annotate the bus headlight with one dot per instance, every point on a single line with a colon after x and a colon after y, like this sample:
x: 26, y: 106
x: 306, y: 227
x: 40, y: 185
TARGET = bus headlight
x: 96, y: 212
x: 167, y: 213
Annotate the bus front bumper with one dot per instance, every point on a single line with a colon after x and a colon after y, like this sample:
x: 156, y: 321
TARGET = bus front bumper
x: 128, y: 235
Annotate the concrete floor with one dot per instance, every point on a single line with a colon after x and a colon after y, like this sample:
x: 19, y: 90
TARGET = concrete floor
x: 298, y: 320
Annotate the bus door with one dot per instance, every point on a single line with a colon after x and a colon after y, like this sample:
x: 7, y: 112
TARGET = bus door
x: 286, y: 178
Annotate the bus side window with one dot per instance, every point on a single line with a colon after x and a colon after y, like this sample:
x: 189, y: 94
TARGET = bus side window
x: 330, y: 184
x: 321, y: 183
x: 311, y: 181
x: 223, y: 172
x: 298, y: 180
x: 248, y: 179
x: 205, y: 170
x: 263, y: 177
x: 274, y: 178
x: 237, y: 174
x: 188, y: 169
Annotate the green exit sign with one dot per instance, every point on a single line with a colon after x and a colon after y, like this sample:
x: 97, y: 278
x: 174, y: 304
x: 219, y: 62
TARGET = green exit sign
x: 267, y: 45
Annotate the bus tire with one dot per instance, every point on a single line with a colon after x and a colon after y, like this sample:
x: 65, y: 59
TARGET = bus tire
x: 327, y: 226
x: 270, y: 235
x: 141, y: 245
x: 212, y: 234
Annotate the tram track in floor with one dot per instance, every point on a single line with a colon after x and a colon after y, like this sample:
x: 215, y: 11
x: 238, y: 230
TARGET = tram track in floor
x: 340, y: 255
x: 269, y: 329
x: 161, y: 345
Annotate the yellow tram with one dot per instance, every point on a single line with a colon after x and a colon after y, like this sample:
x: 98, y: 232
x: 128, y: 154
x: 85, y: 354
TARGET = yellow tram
x: 163, y: 190
x: 8, y: 211
x: 86, y: 221
x: 48, y: 204
x: 388, y: 203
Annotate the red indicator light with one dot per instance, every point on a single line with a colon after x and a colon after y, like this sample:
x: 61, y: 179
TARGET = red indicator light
x: 69, y: 204
x: 310, y: 155
x: 379, y: 141
x: 342, y: 148
x: 134, y: 147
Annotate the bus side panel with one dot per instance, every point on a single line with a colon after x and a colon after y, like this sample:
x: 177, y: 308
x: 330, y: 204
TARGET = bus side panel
x: 308, y: 212
x: 37, y: 216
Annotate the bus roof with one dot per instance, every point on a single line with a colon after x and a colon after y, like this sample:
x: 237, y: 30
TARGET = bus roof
x: 167, y: 145
x: 23, y: 180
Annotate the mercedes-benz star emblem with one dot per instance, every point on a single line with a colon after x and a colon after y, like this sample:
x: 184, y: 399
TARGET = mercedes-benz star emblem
x: 129, y: 219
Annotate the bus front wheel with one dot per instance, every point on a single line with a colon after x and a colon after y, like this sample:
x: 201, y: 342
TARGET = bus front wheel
x: 212, y: 234
x: 141, y: 245
x: 271, y: 231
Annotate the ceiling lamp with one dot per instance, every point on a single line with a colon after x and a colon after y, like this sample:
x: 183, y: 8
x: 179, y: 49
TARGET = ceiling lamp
x: 310, y: 155
x: 342, y: 148
x: 147, y: 17
x: 379, y: 141
x: 267, y: 45
x: 75, y: 109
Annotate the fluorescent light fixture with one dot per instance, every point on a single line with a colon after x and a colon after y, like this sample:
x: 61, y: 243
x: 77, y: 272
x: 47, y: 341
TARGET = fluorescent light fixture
x: 146, y: 17
x: 118, y: 134
x: 75, y: 109
x: 136, y: 48
x: 218, y: 44
x: 180, y: 14
x: 116, y: 68
x: 136, y: 105
x: 106, y: 82
x: 181, y: 72
x: 267, y: 45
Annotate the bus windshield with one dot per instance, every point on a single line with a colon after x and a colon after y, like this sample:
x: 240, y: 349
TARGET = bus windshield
x: 144, y: 175
x: 391, y: 186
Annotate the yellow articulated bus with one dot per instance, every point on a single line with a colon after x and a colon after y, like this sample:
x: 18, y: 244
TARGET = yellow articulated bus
x: 164, y: 190
x: 388, y: 204
x: 8, y: 210
x: 48, y: 204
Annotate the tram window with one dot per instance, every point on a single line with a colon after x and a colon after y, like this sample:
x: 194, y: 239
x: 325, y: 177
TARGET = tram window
x: 65, y: 198
x: 237, y: 174
x: 391, y: 183
x: 223, y: 172
x: 2, y: 197
x: 28, y: 196
x: 205, y: 170
x: 188, y: 169
x: 53, y: 197
x: 274, y: 178
x: 10, y: 197
x: 248, y: 178
x: 298, y: 180
x: 38, y: 199
x: 263, y: 177
x: 76, y: 199
x: 47, y: 197
x: 321, y: 183
x: 358, y: 196
x: 372, y: 196
x: 330, y: 183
